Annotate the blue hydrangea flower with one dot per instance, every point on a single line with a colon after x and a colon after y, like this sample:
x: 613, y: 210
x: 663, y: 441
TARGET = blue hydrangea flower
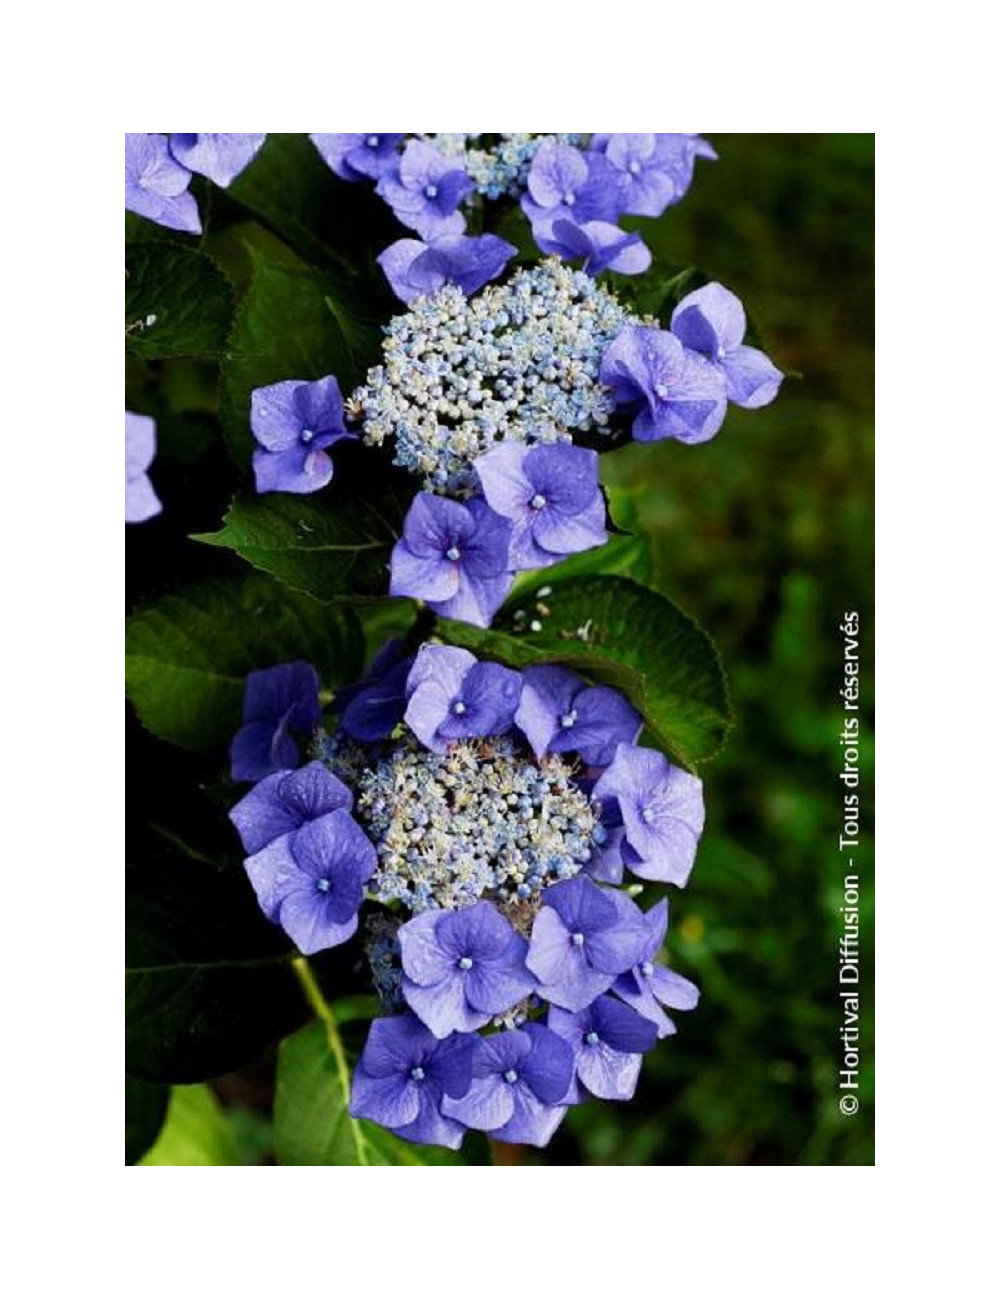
x: 560, y: 713
x: 460, y: 969
x: 276, y: 701
x: 655, y: 171
x: 373, y: 708
x: 284, y: 801
x: 312, y: 882
x: 674, y: 393
x: 451, y: 697
x: 608, y: 1041
x: 563, y: 183
x: 294, y: 421
x: 648, y: 986
x: 552, y: 497
x: 156, y: 184
x: 600, y: 246
x: 141, y: 501
x: 425, y: 190
x: 582, y: 939
x: 405, y: 1074
x: 662, y: 810
x: 359, y: 155
x: 454, y: 557
x: 519, y: 1080
x: 219, y: 157
x: 712, y: 322
x: 415, y: 269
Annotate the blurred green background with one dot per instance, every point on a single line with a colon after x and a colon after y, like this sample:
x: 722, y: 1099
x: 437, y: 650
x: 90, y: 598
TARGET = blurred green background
x: 765, y: 536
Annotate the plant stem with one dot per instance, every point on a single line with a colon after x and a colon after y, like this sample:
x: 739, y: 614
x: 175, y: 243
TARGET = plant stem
x: 314, y: 996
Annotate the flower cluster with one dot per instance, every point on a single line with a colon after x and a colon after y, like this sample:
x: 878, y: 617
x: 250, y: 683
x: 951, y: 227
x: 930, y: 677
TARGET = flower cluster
x: 573, y: 189
x: 484, y: 398
x: 158, y: 169
x: 480, y: 818
x: 520, y: 361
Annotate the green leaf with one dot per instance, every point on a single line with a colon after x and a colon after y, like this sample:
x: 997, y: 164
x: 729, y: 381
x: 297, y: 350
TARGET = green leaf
x: 292, y: 189
x: 295, y: 322
x: 329, y: 547
x: 613, y: 630
x: 177, y: 302
x: 197, y: 1132
x: 145, y: 1111
x: 186, y: 657
x: 208, y: 981
x: 311, y: 1122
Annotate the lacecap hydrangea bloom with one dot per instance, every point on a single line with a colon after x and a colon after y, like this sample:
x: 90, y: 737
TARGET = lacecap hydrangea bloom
x: 461, y: 821
x: 573, y: 188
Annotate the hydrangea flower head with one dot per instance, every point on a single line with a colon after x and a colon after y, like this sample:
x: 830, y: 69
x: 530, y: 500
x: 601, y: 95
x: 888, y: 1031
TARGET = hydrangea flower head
x: 156, y: 184
x: 662, y: 810
x: 583, y: 938
x: 711, y: 321
x: 405, y: 1074
x: 284, y: 801
x: 460, y: 969
x: 425, y: 190
x: 650, y: 986
x: 608, y: 1041
x: 311, y: 882
x: 450, y: 696
x: 276, y: 702
x: 512, y: 985
x: 551, y: 495
x: 674, y: 393
x: 561, y: 713
x: 359, y: 155
x: 454, y: 557
x: 415, y: 269
x: 141, y: 501
x: 294, y: 421
x: 519, y: 1080
x: 219, y: 157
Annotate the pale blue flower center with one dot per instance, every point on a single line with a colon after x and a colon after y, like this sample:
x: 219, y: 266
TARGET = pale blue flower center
x: 661, y: 391
x: 537, y: 501
x: 511, y: 1076
x: 417, y: 1073
x: 568, y: 719
x: 458, y: 707
x: 453, y: 553
x: 576, y: 939
x: 465, y: 963
x: 569, y: 199
x: 307, y: 435
x: 323, y: 885
x: 431, y: 191
x: 372, y: 142
x: 591, y: 1039
x: 635, y: 167
x: 647, y: 968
